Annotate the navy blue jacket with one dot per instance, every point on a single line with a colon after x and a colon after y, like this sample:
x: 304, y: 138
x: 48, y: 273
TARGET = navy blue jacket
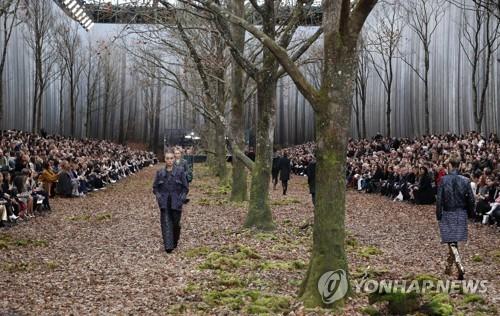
x: 454, y: 193
x: 175, y: 186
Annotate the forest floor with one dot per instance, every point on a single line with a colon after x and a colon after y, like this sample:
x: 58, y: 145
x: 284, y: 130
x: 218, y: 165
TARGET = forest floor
x: 102, y: 254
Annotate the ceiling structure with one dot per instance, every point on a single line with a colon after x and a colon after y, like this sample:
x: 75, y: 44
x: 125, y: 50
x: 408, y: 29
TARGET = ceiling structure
x: 147, y: 11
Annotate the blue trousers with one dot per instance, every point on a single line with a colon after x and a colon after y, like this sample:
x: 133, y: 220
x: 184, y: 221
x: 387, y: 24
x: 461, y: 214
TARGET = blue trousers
x: 170, y: 221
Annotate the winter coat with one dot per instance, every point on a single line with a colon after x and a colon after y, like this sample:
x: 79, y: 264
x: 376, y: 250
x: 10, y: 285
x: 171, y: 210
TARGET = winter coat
x: 311, y: 176
x: 48, y: 176
x: 64, y: 184
x: 454, y: 200
x: 275, y: 169
x: 425, y: 192
x: 285, y: 168
x: 174, y: 186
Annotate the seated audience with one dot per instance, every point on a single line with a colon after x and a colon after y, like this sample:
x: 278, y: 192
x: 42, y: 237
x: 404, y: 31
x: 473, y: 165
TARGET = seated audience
x: 405, y: 169
x: 34, y: 168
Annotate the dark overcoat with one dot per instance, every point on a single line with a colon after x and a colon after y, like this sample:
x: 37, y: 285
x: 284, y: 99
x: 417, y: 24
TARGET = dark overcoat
x: 311, y: 176
x: 175, y: 186
x: 454, y: 199
x: 275, y: 169
x: 285, y: 169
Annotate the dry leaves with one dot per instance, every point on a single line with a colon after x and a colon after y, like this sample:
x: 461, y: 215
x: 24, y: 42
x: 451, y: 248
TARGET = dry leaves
x: 102, y: 254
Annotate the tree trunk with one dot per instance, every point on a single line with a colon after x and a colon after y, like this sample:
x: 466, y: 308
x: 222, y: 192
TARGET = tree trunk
x: 156, y: 135
x: 211, y: 147
x: 332, y: 128
x: 220, y: 153
x: 1, y: 101
x: 479, y: 125
x: 61, y: 103
x: 259, y: 213
x: 35, y: 98
x: 106, y: 105
x: 356, y: 110
x: 426, y: 94
x: 72, y: 101
x: 146, y: 128
x: 2, y: 68
x: 121, y: 132
x: 41, y: 89
x: 131, y: 134
x: 239, y: 185
x: 363, y: 115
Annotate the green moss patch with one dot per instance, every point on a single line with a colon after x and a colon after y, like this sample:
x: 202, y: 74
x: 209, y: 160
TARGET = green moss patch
x: 477, y: 258
x: 103, y: 217
x: 51, y: 265
x: 14, y: 267
x: 230, y: 280
x: 7, y: 241
x: 473, y: 298
x: 439, y: 305
x: 230, y: 258
x: 369, y: 251
x: 266, y: 236
x: 248, y: 301
x: 370, y: 310
x: 197, y: 251
x: 285, y: 201
x: 282, y: 265
x: 219, y: 261
x: 370, y: 272
x: 398, y: 302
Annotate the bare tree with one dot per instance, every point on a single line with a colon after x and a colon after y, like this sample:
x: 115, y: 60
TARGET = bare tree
x: 423, y: 17
x: 265, y: 73
x: 39, y: 20
x: 8, y: 19
x: 383, y: 47
x: 239, y: 174
x: 492, y: 6
x: 199, y: 51
x: 61, y: 72
x: 479, y: 43
x: 361, y: 84
x: 110, y: 85
x: 68, y: 45
x: 92, y: 79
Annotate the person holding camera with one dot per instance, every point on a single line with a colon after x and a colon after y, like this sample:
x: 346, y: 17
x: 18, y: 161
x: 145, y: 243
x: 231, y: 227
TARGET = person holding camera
x: 455, y: 200
x: 170, y: 187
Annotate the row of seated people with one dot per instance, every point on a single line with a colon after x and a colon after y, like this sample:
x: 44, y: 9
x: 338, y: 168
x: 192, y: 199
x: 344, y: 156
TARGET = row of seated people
x: 36, y: 168
x: 407, y: 169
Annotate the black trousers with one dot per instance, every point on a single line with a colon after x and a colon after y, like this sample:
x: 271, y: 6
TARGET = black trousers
x: 284, y: 183
x: 170, y: 221
x: 274, y: 175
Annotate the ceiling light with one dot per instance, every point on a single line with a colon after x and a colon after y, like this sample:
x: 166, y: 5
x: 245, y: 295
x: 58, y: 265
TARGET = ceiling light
x: 77, y: 14
x: 72, y: 4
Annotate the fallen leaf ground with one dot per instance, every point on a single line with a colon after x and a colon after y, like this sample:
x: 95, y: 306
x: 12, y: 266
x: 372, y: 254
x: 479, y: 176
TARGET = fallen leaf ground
x: 102, y: 254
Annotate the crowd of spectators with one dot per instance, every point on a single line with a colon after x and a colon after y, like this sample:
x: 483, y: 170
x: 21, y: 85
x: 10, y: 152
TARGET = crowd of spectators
x: 405, y: 169
x: 35, y: 168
